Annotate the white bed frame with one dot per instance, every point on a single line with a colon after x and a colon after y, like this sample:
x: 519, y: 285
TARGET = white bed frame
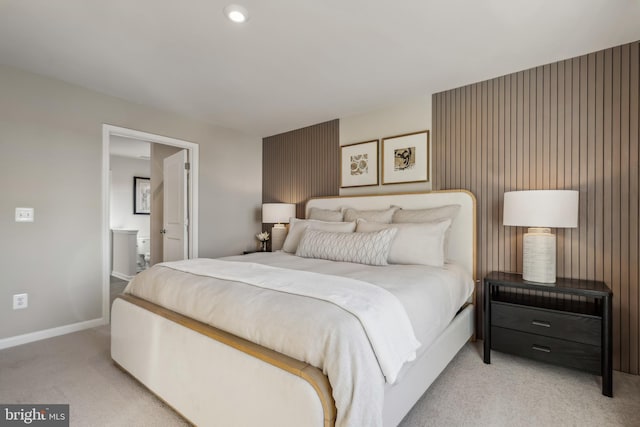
x: 216, y: 379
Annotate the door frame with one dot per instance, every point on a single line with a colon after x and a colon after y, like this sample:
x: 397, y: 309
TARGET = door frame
x: 192, y: 190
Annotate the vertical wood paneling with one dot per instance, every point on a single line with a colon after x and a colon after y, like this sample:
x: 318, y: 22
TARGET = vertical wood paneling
x: 538, y: 137
x: 520, y: 148
x: 575, y: 159
x: 553, y: 93
x: 301, y: 164
x: 615, y: 206
x: 566, y: 138
x: 590, y: 168
x: 598, y: 158
x: 546, y: 127
x: 634, y: 207
x: 624, y: 203
x: 574, y: 124
x: 608, y: 259
x: 514, y: 163
x: 494, y: 174
x: 560, y: 176
x: 499, y: 137
x: 505, y: 117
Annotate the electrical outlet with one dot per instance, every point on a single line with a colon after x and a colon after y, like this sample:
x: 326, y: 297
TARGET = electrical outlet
x: 20, y: 301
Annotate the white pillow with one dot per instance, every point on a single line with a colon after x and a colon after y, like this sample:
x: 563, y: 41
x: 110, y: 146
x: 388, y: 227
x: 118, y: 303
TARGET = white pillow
x: 426, y: 215
x: 325, y: 215
x: 415, y: 243
x: 362, y: 248
x: 297, y: 227
x: 379, y: 215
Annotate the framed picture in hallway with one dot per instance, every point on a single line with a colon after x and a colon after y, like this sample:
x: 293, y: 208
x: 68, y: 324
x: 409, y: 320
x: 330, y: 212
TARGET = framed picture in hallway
x: 359, y: 164
x: 141, y: 195
x: 405, y: 158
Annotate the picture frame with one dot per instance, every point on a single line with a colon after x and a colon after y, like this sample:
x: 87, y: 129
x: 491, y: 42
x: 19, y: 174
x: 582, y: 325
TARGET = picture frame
x: 359, y: 164
x: 405, y: 158
x: 141, y: 195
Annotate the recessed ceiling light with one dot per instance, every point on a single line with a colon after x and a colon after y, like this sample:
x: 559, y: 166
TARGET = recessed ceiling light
x: 236, y: 13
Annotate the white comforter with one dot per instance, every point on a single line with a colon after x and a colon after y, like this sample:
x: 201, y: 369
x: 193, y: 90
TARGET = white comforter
x: 321, y: 334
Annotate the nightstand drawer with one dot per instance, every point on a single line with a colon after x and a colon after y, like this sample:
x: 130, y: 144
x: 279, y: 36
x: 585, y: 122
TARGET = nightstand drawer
x: 568, y: 326
x: 546, y: 349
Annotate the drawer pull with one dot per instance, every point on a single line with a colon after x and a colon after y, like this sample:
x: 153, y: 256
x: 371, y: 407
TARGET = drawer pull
x: 540, y: 348
x: 541, y: 323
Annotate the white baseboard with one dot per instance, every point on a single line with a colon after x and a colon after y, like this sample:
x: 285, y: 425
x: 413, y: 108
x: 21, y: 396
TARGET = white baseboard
x: 50, y: 333
x: 121, y: 276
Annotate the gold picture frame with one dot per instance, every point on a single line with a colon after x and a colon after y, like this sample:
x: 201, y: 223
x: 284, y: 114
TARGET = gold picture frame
x: 405, y: 158
x: 359, y: 164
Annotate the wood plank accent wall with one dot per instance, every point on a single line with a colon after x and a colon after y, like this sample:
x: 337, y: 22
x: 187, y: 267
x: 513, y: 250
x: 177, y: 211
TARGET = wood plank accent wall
x: 573, y: 124
x: 300, y: 164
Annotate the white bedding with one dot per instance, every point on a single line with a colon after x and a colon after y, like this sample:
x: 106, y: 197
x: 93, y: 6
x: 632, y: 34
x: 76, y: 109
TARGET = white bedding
x: 430, y: 296
x: 381, y: 314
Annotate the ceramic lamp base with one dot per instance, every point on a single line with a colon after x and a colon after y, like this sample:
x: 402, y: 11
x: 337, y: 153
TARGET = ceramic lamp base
x: 539, y: 256
x: 278, y: 234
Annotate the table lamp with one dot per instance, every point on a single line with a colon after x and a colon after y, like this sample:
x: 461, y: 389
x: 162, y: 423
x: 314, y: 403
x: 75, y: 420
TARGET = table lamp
x: 278, y: 214
x: 540, y: 210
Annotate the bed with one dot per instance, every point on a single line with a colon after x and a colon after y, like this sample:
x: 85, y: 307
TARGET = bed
x: 212, y: 376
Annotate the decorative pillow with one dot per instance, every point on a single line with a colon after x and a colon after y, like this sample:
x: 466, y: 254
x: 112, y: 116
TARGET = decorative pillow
x: 297, y: 227
x: 325, y: 215
x: 382, y: 216
x: 415, y: 243
x: 362, y: 248
x: 426, y: 215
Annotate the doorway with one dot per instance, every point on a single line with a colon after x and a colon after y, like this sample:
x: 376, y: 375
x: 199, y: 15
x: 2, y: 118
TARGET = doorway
x: 130, y: 173
x: 113, y: 136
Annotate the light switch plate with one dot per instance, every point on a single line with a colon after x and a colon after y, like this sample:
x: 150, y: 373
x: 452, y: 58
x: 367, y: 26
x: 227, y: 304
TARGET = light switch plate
x: 24, y: 214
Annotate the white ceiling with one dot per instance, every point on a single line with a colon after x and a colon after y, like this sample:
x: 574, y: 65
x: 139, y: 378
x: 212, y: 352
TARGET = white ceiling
x: 298, y: 62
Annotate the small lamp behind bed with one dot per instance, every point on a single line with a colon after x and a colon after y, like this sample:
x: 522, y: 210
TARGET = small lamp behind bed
x: 278, y: 214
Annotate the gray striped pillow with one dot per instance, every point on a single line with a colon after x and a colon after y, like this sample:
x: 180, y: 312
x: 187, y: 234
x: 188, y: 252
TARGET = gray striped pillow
x: 362, y: 248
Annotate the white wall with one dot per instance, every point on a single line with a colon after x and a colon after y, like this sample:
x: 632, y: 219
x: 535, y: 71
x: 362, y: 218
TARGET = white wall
x: 409, y: 116
x: 123, y: 169
x: 51, y: 160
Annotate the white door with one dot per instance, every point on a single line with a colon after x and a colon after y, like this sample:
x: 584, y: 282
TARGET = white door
x: 175, y: 213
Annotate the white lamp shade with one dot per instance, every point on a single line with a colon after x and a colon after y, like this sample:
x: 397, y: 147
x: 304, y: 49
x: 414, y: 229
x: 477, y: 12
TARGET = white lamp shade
x: 278, y: 213
x: 541, y: 208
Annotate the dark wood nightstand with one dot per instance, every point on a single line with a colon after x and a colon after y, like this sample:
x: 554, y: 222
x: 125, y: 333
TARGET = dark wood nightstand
x: 567, y: 323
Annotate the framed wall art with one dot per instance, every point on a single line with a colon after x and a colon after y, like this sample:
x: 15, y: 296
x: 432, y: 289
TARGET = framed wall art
x: 141, y: 195
x: 359, y: 164
x: 405, y: 158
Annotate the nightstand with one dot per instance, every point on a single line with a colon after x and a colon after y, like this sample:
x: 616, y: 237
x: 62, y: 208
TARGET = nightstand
x: 567, y: 323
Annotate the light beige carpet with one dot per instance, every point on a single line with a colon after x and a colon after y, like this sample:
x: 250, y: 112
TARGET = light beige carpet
x: 77, y: 369
x: 513, y: 392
